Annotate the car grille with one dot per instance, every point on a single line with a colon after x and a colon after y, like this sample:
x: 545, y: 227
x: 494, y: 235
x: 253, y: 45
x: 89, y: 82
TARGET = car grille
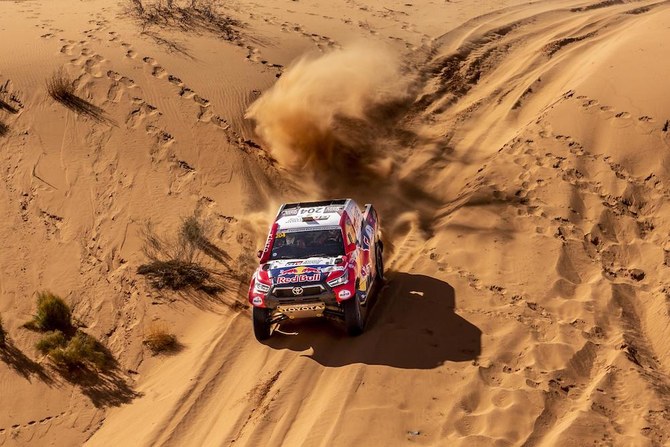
x: 288, y: 292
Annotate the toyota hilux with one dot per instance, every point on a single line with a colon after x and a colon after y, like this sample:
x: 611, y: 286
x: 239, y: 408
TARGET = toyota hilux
x: 320, y: 259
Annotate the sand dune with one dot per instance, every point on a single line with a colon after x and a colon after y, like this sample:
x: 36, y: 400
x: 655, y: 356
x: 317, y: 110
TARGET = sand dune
x: 517, y: 153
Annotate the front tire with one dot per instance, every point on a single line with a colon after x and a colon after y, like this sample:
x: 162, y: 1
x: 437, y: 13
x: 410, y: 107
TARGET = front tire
x: 262, y: 326
x: 353, y: 316
x: 380, y: 262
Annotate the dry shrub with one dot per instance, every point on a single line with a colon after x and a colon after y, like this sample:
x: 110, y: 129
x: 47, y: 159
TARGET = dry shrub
x: 186, y: 15
x: 175, y: 274
x: 3, y: 335
x: 10, y: 101
x: 4, y: 105
x: 192, y: 230
x: 173, y: 261
x: 160, y: 339
x: 61, y: 88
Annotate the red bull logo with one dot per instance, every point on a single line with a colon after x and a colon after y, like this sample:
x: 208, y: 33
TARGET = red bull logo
x: 300, y: 270
x: 299, y: 274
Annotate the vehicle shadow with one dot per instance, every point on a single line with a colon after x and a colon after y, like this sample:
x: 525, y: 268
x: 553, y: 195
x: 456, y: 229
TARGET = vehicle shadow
x: 412, y: 325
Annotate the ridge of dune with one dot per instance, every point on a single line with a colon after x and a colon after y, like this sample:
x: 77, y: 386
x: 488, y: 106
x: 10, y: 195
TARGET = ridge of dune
x: 521, y: 175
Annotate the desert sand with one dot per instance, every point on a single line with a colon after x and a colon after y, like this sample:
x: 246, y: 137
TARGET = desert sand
x: 519, y: 156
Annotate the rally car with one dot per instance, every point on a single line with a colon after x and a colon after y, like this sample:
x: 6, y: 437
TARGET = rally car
x: 321, y: 259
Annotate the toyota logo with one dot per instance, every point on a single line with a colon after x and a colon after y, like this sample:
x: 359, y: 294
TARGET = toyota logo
x: 297, y: 291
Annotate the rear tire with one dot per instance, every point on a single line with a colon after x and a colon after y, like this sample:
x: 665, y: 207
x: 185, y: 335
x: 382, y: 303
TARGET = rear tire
x: 353, y: 316
x: 262, y: 326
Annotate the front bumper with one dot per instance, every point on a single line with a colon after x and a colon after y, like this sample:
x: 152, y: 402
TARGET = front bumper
x: 280, y: 296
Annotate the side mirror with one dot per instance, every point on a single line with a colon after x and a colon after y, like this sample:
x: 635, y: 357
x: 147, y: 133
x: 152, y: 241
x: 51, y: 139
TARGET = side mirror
x: 259, y: 253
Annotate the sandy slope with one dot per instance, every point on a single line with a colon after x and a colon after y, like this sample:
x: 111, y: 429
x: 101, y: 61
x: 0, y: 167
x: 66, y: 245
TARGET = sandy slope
x: 517, y: 153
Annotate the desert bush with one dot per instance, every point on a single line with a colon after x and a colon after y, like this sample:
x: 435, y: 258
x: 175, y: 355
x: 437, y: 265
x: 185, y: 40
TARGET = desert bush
x: 2, y: 333
x: 50, y: 341
x: 60, y: 86
x: 81, y: 350
x: 186, y: 15
x: 192, y: 231
x: 174, y: 260
x: 52, y: 313
x: 160, y: 339
x: 174, y: 274
x: 163, y: 248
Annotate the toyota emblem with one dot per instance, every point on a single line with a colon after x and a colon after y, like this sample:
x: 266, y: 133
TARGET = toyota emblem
x: 297, y: 291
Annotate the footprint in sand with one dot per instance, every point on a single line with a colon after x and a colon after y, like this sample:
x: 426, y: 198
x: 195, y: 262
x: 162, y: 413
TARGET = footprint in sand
x: 253, y: 54
x: 589, y: 103
x: 175, y: 80
x: 624, y: 115
x: 205, y: 115
x: 131, y: 54
x: 222, y: 123
x: 186, y: 93
x: 111, y: 74
x: 202, y: 101
x: 140, y: 113
x: 607, y: 112
x: 158, y: 72
x: 66, y: 49
x: 164, y: 137
x: 92, y: 65
x: 125, y: 80
x: 115, y: 92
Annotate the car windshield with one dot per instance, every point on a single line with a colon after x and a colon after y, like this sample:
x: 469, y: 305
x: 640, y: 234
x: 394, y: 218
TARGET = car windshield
x: 307, y: 244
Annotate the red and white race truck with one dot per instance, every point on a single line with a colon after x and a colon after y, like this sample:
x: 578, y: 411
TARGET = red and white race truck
x: 321, y: 259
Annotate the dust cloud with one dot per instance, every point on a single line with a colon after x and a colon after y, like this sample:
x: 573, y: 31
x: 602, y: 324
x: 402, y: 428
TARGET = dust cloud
x: 324, y: 114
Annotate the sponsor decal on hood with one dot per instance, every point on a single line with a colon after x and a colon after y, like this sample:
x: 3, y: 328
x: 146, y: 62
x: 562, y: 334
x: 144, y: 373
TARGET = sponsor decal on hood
x: 296, y: 274
x: 291, y: 271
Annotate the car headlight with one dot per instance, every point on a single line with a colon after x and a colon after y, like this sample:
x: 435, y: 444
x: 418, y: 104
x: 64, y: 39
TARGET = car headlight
x: 339, y: 280
x: 260, y: 287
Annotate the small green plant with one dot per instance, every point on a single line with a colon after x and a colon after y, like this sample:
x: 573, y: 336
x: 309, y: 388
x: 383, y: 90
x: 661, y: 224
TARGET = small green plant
x: 82, y: 350
x: 53, y: 314
x: 160, y: 339
x: 50, y: 341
